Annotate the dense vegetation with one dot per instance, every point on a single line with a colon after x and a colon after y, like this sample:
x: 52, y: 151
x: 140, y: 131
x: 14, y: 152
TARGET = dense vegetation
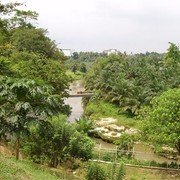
x: 33, y: 84
x: 162, y: 120
x: 126, y: 85
x: 131, y: 82
x: 23, y: 169
x: 81, y: 62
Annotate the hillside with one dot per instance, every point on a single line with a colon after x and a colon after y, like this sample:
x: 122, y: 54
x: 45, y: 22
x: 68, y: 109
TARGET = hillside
x: 22, y: 169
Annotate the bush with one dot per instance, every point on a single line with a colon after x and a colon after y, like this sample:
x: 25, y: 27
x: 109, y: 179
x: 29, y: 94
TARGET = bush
x: 120, y: 173
x: 125, y: 145
x: 80, y: 146
x: 95, y: 172
x: 107, y: 156
x: 84, y: 125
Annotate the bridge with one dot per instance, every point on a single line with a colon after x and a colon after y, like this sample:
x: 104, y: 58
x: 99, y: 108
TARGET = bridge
x: 84, y: 94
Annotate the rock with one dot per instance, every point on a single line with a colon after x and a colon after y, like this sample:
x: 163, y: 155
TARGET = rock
x: 102, y: 129
x: 116, y: 128
x: 107, y: 130
x: 131, y: 131
x: 109, y: 137
x: 105, y: 121
x: 169, y: 152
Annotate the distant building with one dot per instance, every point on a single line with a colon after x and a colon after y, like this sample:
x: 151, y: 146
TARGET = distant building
x: 110, y: 51
x: 67, y: 52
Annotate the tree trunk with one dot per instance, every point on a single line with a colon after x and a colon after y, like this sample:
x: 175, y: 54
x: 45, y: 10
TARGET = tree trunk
x: 17, y: 147
x: 54, y: 161
x: 178, y: 147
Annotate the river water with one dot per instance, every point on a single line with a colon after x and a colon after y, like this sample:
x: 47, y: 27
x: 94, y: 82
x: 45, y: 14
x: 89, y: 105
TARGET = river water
x: 75, y: 102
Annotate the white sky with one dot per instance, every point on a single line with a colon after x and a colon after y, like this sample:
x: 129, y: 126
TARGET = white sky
x: 126, y: 25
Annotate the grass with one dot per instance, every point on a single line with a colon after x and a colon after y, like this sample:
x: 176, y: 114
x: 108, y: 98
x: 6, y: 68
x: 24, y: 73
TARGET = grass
x: 26, y: 170
x: 134, y: 173
x: 23, y: 169
x: 75, y: 76
x: 101, y: 109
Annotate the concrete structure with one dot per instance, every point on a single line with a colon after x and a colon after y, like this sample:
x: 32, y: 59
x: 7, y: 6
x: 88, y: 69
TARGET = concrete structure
x: 67, y: 52
x: 110, y: 51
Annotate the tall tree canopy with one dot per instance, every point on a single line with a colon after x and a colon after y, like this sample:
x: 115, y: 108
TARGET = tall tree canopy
x: 131, y: 81
x: 161, y: 122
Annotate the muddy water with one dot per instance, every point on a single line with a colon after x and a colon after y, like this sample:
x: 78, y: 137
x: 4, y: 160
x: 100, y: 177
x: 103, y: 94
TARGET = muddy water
x: 141, y: 151
x: 75, y: 102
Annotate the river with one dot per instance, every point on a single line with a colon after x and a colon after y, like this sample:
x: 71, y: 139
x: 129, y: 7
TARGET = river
x: 75, y: 102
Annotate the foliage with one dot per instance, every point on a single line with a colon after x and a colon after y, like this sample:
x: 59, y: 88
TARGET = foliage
x: 4, y: 67
x: 161, y: 121
x: 97, y: 109
x: 54, y: 134
x: 35, y: 66
x: 172, y: 58
x: 80, y: 146
x: 84, y: 125
x: 116, y: 171
x: 24, y: 169
x: 76, y: 66
x: 35, y: 40
x: 120, y: 172
x: 95, y: 172
x: 125, y: 145
x: 62, y: 141
x: 23, y: 19
x: 86, y: 56
x: 23, y: 101
x: 113, y: 171
x: 131, y: 81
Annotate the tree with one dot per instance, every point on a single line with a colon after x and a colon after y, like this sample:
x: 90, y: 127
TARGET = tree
x: 54, y: 134
x: 131, y: 81
x: 24, y: 101
x: 75, y: 55
x: 172, y: 66
x: 35, y: 66
x: 125, y: 145
x: 160, y: 123
x: 172, y: 57
x: 95, y: 172
x: 35, y: 40
x: 80, y: 146
x: 23, y: 19
x: 83, y: 68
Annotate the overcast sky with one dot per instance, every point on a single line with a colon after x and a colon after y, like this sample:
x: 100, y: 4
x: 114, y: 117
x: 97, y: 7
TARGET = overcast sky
x: 126, y: 25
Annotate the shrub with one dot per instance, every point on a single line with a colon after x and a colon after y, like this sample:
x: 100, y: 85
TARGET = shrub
x: 80, y: 146
x: 95, y: 172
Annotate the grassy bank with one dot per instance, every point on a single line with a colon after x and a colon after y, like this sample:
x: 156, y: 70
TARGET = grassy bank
x: 23, y: 169
x: 100, y: 109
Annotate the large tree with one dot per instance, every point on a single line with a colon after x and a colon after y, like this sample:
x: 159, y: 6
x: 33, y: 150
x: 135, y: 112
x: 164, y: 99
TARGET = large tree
x: 161, y: 122
x: 35, y: 66
x: 35, y: 40
x: 23, y: 101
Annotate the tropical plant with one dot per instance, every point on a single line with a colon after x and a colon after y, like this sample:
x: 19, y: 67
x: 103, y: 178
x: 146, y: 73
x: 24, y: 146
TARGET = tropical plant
x: 125, y: 145
x: 24, y: 101
x: 95, y: 172
x: 160, y: 124
x: 80, y: 146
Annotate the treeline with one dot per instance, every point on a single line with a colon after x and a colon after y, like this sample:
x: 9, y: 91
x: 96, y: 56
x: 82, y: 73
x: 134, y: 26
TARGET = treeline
x: 82, y: 61
x: 33, y: 84
x: 131, y: 81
